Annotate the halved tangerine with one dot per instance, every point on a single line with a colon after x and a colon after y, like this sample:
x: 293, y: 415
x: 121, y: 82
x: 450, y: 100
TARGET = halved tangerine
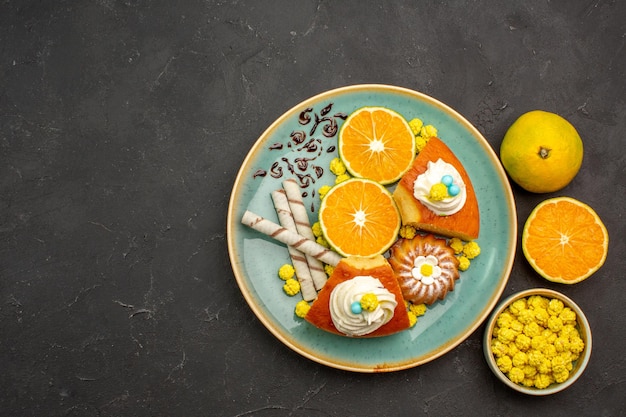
x: 376, y: 143
x: 358, y: 217
x: 564, y: 240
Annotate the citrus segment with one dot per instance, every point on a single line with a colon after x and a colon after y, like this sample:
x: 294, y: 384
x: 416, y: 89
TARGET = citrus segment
x: 376, y: 143
x: 358, y: 217
x: 564, y: 240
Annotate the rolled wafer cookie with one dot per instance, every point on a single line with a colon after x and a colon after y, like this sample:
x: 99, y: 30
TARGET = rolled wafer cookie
x: 298, y: 259
x: 303, y: 227
x: 289, y: 238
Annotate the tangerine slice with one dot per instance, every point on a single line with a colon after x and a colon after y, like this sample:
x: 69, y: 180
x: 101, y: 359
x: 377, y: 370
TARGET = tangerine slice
x: 376, y: 143
x: 358, y: 217
x: 564, y: 240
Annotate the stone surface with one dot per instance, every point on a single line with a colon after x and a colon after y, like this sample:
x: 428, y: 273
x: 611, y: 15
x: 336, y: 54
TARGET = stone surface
x: 122, y: 127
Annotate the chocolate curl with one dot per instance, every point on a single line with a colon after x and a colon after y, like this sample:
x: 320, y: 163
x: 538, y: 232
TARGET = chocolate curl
x: 301, y: 218
x: 304, y: 245
x: 298, y: 259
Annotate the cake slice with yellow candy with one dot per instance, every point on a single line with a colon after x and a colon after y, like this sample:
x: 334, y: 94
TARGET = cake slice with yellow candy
x: 361, y: 298
x: 436, y: 195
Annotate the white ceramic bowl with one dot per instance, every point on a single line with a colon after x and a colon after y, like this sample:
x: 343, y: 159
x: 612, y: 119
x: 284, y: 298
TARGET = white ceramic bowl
x: 578, y: 366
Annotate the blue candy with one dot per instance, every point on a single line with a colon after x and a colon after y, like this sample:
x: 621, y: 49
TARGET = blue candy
x: 453, y: 190
x: 447, y: 180
x: 356, y: 308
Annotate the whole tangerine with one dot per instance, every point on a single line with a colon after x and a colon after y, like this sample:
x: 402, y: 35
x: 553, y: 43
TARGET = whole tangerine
x: 541, y: 151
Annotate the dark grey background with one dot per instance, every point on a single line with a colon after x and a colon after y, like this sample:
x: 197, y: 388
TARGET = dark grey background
x: 122, y: 127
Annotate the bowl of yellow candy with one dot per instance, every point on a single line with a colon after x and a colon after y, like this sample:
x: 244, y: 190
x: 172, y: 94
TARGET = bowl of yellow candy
x: 537, y: 342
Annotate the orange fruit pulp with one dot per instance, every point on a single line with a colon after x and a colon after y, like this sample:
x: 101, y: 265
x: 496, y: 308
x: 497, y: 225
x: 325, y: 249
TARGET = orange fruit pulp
x: 376, y: 143
x: 564, y: 240
x: 358, y: 217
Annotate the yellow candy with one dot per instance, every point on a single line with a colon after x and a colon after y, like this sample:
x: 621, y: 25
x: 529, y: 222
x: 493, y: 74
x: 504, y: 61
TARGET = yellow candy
x: 417, y: 309
x: 369, y: 302
x: 337, y: 166
x: 291, y: 287
x: 456, y: 244
x: 464, y: 263
x: 302, y: 308
x: 324, y: 189
x: 438, y: 192
x: 407, y: 232
x: 286, y: 272
x: 420, y: 143
x: 428, y: 131
x: 539, y: 338
x: 471, y: 250
x: 416, y: 125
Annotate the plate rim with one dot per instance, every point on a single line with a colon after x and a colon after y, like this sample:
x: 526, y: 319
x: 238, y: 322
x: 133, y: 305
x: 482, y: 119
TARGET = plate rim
x: 232, y: 223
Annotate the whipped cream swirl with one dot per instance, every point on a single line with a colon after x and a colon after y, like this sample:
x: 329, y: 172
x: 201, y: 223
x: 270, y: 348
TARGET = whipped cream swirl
x: 365, y: 322
x: 434, y: 173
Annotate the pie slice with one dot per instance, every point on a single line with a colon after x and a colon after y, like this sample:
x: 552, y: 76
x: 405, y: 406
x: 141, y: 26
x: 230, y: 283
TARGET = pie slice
x: 344, y: 306
x: 464, y: 224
